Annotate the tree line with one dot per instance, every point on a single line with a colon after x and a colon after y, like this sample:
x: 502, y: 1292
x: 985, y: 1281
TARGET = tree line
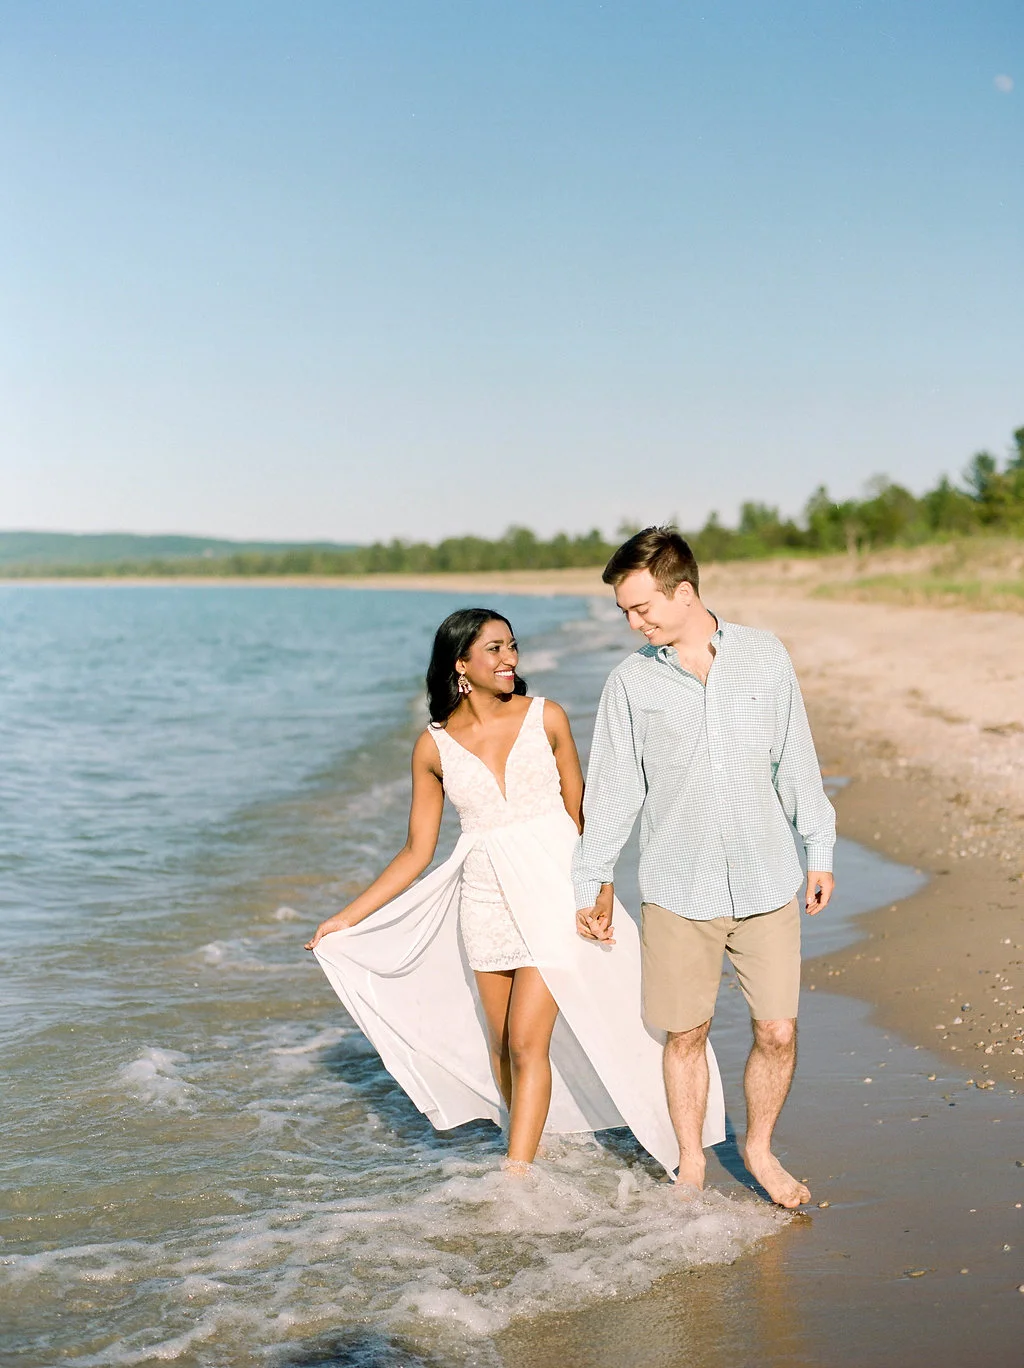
x: 989, y: 498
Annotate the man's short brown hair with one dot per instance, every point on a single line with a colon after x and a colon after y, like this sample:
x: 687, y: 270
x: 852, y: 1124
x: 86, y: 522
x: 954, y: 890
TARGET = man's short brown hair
x: 663, y: 552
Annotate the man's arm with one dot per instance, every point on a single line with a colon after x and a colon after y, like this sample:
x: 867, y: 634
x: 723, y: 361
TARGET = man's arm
x: 797, y: 777
x: 614, y: 795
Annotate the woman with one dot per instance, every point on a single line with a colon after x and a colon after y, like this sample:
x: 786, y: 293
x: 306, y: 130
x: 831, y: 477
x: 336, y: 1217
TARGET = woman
x: 564, y: 1040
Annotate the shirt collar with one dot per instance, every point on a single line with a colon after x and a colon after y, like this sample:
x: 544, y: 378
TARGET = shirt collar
x: 669, y: 653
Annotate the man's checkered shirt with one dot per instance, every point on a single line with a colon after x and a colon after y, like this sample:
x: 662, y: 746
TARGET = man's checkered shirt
x: 721, y: 774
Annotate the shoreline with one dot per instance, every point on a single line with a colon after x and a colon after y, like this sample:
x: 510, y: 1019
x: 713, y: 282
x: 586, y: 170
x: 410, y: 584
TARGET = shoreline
x: 584, y: 582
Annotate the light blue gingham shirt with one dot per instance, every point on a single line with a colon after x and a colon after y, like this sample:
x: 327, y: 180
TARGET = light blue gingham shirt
x: 721, y: 775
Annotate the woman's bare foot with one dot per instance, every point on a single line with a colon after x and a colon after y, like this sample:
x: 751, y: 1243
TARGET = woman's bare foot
x: 784, y: 1190
x: 516, y: 1168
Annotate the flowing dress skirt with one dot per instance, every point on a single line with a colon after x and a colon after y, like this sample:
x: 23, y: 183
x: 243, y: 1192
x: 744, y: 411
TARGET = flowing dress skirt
x: 404, y: 978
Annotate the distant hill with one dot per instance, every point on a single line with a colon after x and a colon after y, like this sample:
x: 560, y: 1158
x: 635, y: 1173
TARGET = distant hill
x: 105, y: 548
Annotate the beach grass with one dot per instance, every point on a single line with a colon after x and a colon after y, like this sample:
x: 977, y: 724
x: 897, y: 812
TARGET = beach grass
x: 983, y: 573
x: 935, y: 591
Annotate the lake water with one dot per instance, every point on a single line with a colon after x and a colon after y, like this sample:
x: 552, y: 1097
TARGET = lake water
x: 203, y: 1159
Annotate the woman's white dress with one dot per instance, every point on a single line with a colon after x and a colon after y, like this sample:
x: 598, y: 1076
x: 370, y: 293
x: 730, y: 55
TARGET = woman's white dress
x: 503, y: 899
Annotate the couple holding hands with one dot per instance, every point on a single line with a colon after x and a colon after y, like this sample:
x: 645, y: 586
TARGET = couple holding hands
x: 509, y: 983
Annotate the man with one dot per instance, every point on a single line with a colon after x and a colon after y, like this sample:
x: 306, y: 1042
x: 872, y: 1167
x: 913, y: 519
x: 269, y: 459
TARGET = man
x: 703, y: 732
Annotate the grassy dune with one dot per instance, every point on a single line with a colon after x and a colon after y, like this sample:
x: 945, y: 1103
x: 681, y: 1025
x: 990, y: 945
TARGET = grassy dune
x: 981, y: 573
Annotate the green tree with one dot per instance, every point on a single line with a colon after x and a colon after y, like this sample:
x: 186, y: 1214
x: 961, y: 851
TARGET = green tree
x: 949, y: 510
x: 832, y: 526
x: 889, y: 514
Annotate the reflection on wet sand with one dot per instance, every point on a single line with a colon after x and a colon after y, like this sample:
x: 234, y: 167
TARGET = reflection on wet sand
x: 739, y: 1314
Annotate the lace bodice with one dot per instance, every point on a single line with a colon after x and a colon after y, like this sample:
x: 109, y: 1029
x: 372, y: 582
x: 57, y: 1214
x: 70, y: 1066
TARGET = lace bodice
x: 532, y: 786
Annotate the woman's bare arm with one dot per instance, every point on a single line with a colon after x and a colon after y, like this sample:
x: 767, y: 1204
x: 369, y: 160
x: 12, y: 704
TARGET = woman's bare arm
x: 559, y: 734
x: 415, y: 855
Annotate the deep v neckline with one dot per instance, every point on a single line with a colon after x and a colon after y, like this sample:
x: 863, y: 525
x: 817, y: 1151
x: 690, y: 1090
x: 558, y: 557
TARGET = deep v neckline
x: 500, y: 784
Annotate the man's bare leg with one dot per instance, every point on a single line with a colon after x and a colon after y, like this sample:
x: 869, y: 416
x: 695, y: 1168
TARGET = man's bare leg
x: 685, y: 1065
x: 766, y: 1083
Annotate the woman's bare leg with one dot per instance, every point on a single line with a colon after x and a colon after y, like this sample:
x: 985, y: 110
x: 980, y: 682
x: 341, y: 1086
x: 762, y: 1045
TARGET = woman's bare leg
x: 495, y: 990
x: 531, y: 1019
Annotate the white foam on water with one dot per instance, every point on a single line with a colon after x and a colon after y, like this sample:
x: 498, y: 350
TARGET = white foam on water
x: 329, y: 1036
x: 378, y: 799
x: 90, y: 1263
x: 572, y: 1232
x: 539, y: 662
x: 124, y: 1354
x: 287, y: 914
x: 441, y: 1250
x: 154, y: 1079
x: 603, y: 629
x: 602, y: 608
x: 234, y: 955
x: 302, y: 1058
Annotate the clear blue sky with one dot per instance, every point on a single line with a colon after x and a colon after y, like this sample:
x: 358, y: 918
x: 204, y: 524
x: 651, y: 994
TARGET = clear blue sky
x: 370, y: 269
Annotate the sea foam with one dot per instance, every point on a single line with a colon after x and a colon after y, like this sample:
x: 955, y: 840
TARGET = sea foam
x: 153, y: 1078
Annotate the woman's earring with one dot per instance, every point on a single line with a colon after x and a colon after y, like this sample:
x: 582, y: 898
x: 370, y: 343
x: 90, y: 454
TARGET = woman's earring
x: 464, y: 685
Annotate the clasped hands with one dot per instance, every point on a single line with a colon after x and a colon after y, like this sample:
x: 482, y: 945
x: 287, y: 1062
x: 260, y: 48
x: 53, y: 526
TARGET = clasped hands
x: 595, y: 923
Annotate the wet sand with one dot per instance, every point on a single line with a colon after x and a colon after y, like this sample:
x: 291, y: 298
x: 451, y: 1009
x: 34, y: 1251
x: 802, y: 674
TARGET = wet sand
x: 912, y: 1260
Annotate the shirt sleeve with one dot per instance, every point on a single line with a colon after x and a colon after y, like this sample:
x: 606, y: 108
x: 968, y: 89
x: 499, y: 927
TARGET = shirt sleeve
x: 797, y: 774
x: 614, y: 794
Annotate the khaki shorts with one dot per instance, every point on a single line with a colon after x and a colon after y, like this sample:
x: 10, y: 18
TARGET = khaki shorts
x: 682, y: 965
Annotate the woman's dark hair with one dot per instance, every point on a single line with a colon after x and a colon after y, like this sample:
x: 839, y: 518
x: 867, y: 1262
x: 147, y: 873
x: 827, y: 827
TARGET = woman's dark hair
x: 453, y: 641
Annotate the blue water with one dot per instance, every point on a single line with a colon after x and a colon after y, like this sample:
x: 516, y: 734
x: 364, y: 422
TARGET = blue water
x: 203, y: 1159
x: 139, y: 726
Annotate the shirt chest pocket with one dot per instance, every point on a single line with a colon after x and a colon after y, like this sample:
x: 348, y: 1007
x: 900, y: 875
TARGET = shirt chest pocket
x: 753, y: 720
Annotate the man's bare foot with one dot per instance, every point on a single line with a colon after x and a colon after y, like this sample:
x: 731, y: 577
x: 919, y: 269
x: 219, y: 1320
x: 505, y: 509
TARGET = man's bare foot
x: 686, y: 1192
x: 781, y: 1187
x: 691, y: 1172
